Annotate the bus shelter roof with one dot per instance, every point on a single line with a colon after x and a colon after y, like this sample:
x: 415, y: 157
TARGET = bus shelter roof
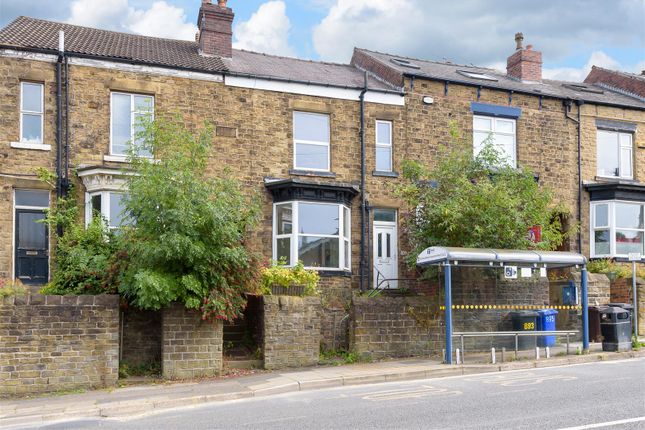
x: 439, y: 255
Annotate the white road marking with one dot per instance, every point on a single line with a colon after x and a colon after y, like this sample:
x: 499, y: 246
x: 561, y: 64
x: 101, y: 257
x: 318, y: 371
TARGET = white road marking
x: 424, y: 390
x: 606, y: 424
x: 520, y: 379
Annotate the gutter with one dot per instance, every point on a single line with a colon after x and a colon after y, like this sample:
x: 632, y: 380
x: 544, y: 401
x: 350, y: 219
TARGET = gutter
x: 519, y: 91
x: 362, y: 262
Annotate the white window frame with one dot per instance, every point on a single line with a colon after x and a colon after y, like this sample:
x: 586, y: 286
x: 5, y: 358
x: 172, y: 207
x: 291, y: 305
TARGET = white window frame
x: 384, y: 145
x: 311, y: 142
x: 343, y: 237
x: 132, y: 118
x: 511, y: 158
x: 620, y: 147
x: 105, y: 206
x: 611, y: 219
x: 28, y: 112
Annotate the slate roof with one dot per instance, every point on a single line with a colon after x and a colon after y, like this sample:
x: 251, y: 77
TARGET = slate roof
x: 551, y: 88
x: 333, y: 74
x: 40, y: 35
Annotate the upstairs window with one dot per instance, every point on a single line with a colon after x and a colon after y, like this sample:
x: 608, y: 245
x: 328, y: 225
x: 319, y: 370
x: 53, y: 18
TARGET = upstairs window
x: 318, y: 234
x: 501, y: 132
x: 614, y: 154
x: 311, y: 141
x: 31, y: 112
x: 128, y: 113
x: 384, y: 146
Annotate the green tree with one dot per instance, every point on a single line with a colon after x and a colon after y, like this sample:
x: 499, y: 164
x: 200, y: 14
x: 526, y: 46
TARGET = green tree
x: 186, y: 241
x: 479, y: 202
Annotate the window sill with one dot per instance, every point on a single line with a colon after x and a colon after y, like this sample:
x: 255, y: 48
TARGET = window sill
x: 613, y: 179
x: 116, y: 158
x: 29, y: 145
x: 334, y: 272
x: 313, y: 173
x: 385, y: 174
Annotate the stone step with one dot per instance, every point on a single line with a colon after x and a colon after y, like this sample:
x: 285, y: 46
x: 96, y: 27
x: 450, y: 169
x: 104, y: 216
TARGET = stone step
x: 243, y: 364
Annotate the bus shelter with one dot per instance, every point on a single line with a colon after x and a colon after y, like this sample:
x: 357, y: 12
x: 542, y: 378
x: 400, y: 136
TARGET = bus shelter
x: 450, y: 257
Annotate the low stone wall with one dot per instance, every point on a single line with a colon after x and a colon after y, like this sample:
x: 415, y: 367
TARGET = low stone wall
x: 292, y: 331
x: 53, y: 343
x: 383, y: 327
x: 141, y: 343
x: 621, y: 290
x: 191, y: 348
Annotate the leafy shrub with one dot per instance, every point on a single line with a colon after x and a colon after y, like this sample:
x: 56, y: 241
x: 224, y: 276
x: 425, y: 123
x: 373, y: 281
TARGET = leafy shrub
x: 610, y: 268
x: 278, y: 273
x: 187, y: 243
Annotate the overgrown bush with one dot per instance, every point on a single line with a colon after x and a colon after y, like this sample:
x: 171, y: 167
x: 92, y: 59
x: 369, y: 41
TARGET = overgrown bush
x: 10, y: 288
x: 82, y: 256
x: 281, y: 275
x: 610, y: 268
x: 478, y: 202
x: 187, y: 240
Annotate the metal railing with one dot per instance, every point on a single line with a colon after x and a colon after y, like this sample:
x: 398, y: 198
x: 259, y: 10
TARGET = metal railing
x: 516, y: 334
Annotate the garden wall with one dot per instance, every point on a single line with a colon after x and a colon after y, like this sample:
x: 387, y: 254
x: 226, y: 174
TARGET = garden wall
x: 292, y: 331
x: 191, y: 348
x: 383, y: 327
x: 53, y: 343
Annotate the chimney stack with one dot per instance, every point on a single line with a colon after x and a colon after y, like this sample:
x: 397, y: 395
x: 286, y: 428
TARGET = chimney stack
x: 524, y: 64
x: 215, y: 24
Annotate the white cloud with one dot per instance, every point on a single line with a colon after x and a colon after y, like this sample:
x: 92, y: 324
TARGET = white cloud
x: 597, y: 58
x: 468, y: 31
x: 160, y: 20
x: 266, y: 31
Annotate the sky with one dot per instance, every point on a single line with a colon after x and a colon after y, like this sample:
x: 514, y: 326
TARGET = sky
x: 572, y: 35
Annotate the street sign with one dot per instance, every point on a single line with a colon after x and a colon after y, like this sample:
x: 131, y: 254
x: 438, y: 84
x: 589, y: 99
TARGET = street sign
x: 510, y: 272
x: 634, y: 256
x: 526, y: 272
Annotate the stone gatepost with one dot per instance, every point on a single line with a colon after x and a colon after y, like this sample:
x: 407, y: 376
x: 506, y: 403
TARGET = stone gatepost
x: 191, y: 348
x: 292, y: 331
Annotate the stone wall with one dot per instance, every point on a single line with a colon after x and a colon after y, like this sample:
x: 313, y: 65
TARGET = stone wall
x: 640, y: 287
x: 621, y: 290
x: 383, y: 327
x: 53, y: 343
x: 141, y: 343
x: 191, y: 348
x: 292, y: 331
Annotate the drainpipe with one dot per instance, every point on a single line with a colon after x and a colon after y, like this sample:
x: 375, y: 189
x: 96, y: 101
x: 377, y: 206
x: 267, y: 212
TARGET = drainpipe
x: 66, y: 164
x: 567, y: 107
x: 59, y: 114
x: 363, y: 199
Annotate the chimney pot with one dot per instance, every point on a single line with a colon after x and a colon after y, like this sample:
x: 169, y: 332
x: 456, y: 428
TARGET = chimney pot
x: 529, y: 47
x: 221, y: 3
x: 519, y: 37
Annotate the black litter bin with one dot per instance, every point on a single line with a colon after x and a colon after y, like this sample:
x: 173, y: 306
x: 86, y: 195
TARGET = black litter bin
x: 595, y: 334
x: 629, y: 308
x: 525, y: 321
x: 615, y: 326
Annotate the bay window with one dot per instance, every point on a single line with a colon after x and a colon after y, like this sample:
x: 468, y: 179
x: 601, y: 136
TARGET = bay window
x: 108, y: 205
x: 318, y: 234
x: 617, y: 228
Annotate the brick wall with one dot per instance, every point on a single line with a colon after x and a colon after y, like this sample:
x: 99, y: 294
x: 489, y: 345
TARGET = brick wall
x: 191, y: 348
x: 52, y: 343
x: 291, y: 331
x: 395, y: 327
x: 141, y: 343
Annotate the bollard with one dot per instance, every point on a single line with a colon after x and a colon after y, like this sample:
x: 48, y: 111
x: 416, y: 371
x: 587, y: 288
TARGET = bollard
x: 492, y: 355
x: 443, y: 354
x: 537, y: 353
x: 457, y: 355
x: 547, y: 352
x: 503, y: 352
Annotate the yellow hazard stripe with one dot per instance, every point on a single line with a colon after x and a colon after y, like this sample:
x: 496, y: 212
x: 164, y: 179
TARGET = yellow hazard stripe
x: 512, y: 307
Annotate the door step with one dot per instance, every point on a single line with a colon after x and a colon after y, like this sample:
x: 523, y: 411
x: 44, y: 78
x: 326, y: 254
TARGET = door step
x: 244, y: 364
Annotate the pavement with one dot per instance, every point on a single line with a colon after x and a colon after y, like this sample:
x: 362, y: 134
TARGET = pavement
x: 150, y: 399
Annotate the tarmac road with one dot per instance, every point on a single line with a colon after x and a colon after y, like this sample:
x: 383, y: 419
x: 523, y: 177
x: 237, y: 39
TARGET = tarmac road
x: 594, y: 395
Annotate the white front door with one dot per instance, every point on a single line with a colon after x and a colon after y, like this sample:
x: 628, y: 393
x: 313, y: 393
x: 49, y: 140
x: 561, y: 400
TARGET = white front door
x: 385, y: 255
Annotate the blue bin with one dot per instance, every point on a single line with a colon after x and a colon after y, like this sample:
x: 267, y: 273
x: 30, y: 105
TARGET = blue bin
x: 546, y: 322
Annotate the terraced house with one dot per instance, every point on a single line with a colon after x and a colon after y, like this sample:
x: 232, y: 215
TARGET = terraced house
x: 321, y: 142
